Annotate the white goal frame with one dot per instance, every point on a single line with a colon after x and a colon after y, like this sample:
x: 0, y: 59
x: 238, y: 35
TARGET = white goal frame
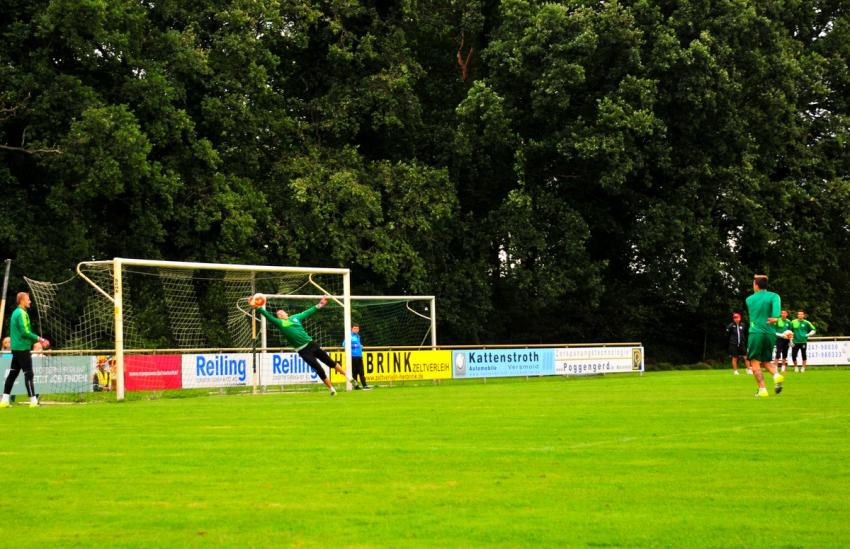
x: 116, y: 296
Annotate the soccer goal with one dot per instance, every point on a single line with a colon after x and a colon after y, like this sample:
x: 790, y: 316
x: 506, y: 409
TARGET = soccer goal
x: 170, y: 324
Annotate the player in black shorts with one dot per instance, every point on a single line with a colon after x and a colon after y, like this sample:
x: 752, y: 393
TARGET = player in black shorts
x: 782, y: 326
x: 803, y: 330
x: 737, y: 335
x: 292, y: 330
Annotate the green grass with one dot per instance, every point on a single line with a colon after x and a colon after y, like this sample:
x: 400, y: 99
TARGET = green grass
x: 670, y: 459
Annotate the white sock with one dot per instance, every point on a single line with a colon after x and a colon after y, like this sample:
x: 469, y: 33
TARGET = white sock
x: 333, y: 390
x: 5, y: 398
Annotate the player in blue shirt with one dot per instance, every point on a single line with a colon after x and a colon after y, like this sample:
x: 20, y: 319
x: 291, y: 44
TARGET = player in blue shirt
x: 357, y: 358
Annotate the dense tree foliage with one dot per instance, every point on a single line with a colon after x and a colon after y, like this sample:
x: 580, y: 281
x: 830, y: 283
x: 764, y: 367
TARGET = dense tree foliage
x: 552, y: 171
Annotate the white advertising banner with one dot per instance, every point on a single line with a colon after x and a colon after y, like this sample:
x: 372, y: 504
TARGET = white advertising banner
x: 217, y: 370
x: 53, y: 374
x: 824, y: 353
x: 576, y: 361
x: 285, y: 369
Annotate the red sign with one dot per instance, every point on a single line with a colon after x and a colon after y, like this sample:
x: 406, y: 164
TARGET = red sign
x: 152, y: 372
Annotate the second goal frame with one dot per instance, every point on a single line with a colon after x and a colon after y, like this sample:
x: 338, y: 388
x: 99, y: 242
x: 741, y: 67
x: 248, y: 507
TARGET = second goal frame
x: 353, y: 299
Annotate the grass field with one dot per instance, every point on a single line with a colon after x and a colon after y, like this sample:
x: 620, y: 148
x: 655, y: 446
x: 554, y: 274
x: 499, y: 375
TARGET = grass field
x: 673, y: 459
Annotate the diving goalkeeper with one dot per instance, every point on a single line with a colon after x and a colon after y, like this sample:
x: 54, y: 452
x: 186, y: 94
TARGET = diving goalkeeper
x: 292, y: 329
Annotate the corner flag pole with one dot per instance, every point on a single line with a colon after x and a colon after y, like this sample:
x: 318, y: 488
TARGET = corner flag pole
x: 3, y: 297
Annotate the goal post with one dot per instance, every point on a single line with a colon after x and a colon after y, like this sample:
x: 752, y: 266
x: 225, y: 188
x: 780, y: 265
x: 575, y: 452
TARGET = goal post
x: 186, y: 296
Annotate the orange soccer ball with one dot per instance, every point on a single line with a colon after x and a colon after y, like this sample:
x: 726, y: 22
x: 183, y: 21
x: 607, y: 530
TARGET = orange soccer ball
x: 257, y: 300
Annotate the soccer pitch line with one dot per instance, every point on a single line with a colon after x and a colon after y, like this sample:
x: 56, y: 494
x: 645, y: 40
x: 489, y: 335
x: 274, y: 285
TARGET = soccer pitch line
x: 700, y: 434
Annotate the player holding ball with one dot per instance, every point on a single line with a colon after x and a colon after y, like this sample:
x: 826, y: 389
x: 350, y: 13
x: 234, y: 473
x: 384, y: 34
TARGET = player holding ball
x: 292, y: 329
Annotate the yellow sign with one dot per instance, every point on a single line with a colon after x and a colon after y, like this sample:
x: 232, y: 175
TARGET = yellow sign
x: 402, y: 365
x: 637, y: 359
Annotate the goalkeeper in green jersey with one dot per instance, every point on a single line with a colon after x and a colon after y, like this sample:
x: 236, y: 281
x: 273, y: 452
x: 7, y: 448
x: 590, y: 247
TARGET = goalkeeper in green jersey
x: 292, y: 329
x: 764, y: 308
x: 22, y: 340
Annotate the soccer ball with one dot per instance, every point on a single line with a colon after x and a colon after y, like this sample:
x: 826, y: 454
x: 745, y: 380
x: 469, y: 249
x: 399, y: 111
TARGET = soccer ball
x: 257, y: 300
x: 788, y: 334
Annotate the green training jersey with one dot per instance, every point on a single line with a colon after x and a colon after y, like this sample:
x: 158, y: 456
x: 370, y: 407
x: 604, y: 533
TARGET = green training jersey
x: 782, y: 326
x: 801, y: 329
x: 292, y: 328
x: 761, y: 306
x: 20, y: 331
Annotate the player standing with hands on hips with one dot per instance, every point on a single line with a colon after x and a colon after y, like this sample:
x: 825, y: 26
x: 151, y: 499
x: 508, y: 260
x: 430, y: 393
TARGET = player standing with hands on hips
x: 803, y: 330
x: 292, y: 329
x: 764, y: 308
x: 23, y: 339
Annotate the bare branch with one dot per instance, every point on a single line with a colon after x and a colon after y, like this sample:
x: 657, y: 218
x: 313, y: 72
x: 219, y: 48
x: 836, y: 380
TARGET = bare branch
x: 31, y: 151
x: 464, y: 64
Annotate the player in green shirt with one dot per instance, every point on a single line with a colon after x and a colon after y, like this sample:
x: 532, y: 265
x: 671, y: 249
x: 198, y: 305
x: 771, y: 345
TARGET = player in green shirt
x: 803, y: 329
x: 23, y: 339
x: 782, y: 327
x: 764, y: 309
x: 292, y: 329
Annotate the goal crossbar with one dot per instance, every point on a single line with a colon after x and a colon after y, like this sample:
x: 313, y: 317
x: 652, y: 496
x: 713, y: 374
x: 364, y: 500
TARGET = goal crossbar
x: 217, y: 266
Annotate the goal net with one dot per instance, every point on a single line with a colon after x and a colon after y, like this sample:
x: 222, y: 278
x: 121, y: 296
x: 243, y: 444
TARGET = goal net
x: 384, y: 321
x: 163, y: 324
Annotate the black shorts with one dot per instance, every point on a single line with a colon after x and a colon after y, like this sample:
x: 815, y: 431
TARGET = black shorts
x: 782, y: 348
x: 798, y: 347
x: 738, y: 350
x: 22, y: 360
x: 312, y: 354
